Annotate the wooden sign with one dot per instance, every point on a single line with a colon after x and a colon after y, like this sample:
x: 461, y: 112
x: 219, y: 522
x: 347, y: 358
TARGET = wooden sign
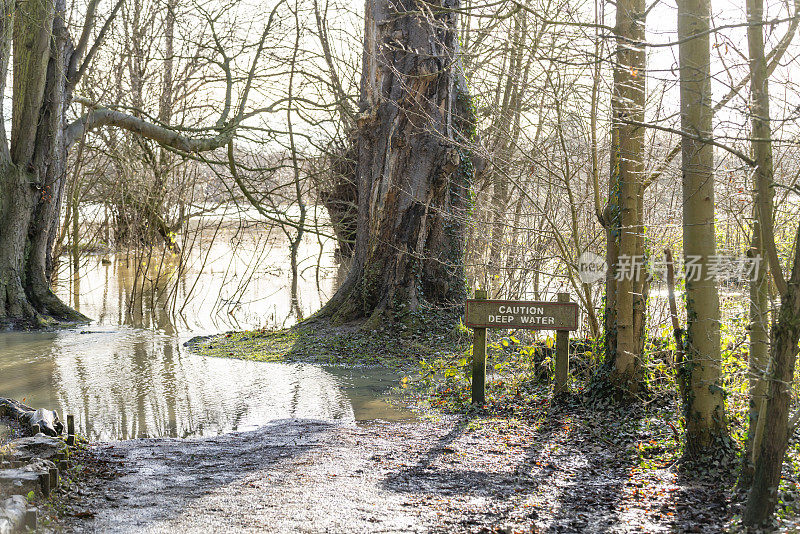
x: 512, y: 314
x: 481, y: 314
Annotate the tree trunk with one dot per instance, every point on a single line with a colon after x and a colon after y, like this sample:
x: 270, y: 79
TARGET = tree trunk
x: 623, y: 218
x: 705, y: 408
x: 296, y: 239
x: 783, y: 351
x: 763, y: 178
x: 758, y: 358
x: 762, y: 240
x: 772, y: 419
x: 32, y: 172
x: 413, y: 168
x: 506, y: 131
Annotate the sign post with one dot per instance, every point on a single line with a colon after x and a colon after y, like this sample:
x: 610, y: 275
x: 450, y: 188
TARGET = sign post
x: 479, y: 358
x: 480, y: 314
x: 562, y: 353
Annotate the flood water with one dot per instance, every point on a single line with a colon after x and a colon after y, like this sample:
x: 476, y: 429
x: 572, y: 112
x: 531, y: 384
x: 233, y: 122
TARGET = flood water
x: 128, y: 375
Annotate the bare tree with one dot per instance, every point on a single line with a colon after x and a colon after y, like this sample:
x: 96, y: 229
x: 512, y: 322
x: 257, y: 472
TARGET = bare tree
x: 48, y: 65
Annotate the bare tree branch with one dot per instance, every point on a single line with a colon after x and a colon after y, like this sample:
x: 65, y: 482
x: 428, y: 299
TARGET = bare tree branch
x: 162, y: 135
x: 75, y: 73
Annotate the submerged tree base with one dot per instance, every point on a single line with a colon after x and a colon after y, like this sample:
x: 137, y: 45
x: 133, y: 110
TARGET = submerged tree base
x: 21, y: 314
x: 33, y: 306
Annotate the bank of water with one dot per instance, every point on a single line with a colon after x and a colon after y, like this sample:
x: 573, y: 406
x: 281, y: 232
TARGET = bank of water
x: 128, y: 375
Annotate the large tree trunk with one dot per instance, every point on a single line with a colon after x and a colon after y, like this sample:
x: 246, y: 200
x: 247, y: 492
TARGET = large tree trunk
x: 32, y: 172
x: 624, y: 217
x: 413, y: 167
x: 705, y: 407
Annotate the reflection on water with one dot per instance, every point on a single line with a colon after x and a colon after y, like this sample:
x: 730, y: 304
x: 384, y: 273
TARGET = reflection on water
x: 127, y: 374
x: 225, y: 278
x: 126, y: 383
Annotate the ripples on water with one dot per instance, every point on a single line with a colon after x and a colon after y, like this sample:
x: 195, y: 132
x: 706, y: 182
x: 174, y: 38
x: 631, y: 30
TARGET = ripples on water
x: 128, y: 375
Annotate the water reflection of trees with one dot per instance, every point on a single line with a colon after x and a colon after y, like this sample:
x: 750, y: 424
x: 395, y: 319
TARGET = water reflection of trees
x: 136, y: 380
x: 228, y: 276
x: 135, y: 383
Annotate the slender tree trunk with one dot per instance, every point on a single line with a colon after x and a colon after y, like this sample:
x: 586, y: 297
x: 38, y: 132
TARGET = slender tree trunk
x: 502, y: 151
x: 783, y: 354
x: 773, y: 414
x: 76, y: 224
x: 759, y: 288
x: 758, y: 358
x: 641, y: 286
x: 296, y: 240
x: 415, y: 123
x: 705, y: 410
x: 623, y: 218
x: 163, y: 167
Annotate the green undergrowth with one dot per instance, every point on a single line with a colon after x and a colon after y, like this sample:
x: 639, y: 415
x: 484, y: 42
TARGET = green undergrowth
x: 519, y: 385
x: 519, y: 372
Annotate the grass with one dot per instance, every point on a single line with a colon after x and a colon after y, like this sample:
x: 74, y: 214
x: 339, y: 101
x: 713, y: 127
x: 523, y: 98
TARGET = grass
x: 319, y: 342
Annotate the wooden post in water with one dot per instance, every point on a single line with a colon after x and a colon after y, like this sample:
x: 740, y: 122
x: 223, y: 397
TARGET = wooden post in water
x: 562, y: 354
x: 479, y: 359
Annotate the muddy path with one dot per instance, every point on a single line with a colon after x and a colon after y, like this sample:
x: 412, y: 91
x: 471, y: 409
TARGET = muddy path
x: 449, y: 475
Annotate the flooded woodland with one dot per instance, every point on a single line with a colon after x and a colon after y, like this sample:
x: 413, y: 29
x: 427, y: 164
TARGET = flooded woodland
x: 128, y: 375
x: 399, y: 266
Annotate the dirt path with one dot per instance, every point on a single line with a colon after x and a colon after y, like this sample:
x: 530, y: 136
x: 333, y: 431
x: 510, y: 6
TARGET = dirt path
x: 450, y: 475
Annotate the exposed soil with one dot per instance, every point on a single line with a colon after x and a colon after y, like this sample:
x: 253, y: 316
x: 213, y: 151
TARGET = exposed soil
x: 566, y: 473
